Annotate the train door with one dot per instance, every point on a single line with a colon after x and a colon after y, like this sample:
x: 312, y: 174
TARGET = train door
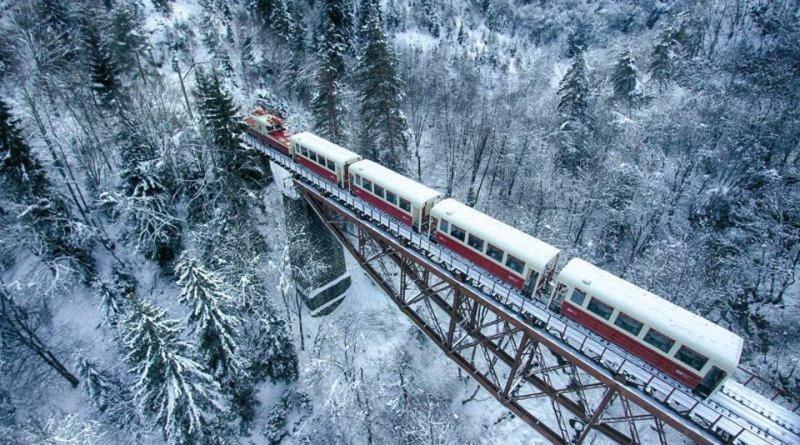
x: 557, y: 296
x: 713, y: 378
x: 531, y: 283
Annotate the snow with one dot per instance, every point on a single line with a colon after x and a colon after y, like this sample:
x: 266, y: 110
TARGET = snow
x: 534, y: 252
x: 336, y: 153
x: 416, y: 193
x: 721, y: 346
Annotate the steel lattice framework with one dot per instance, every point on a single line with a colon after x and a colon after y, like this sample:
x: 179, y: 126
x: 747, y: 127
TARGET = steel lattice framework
x: 557, y: 377
x: 514, y: 361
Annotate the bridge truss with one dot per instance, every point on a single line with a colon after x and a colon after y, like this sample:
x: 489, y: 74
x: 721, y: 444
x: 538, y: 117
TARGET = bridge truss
x: 558, y: 378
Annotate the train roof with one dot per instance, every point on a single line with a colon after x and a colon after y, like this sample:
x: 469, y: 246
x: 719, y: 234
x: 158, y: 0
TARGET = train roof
x: 416, y: 193
x: 264, y: 118
x: 335, y: 153
x: 715, y: 342
x: 533, y: 251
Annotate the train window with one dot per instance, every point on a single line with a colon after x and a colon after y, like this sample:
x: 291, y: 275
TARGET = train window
x: 366, y: 184
x: 405, y: 205
x: 475, y: 242
x: 378, y: 190
x: 312, y: 156
x: 494, y: 253
x: 515, y: 264
x: 629, y: 324
x: 357, y: 180
x: 458, y: 233
x: 659, y: 340
x: 578, y: 297
x: 331, y: 165
x: 444, y: 226
x: 691, y: 358
x: 600, y: 309
x: 391, y: 197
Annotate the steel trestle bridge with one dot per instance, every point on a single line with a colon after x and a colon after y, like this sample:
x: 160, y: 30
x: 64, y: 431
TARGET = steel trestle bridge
x: 560, y: 378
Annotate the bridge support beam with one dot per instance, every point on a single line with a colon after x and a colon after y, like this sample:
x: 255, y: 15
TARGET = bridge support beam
x: 512, y: 359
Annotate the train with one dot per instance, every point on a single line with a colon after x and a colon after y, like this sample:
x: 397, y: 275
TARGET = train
x: 694, y: 351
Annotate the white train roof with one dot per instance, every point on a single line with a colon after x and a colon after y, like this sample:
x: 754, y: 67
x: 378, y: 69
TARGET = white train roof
x: 720, y: 345
x: 328, y: 149
x: 533, y: 251
x: 416, y: 193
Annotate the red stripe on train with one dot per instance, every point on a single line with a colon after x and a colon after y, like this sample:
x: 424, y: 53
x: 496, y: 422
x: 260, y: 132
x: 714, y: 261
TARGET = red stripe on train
x: 381, y: 204
x: 324, y: 172
x: 679, y: 373
x: 491, y: 267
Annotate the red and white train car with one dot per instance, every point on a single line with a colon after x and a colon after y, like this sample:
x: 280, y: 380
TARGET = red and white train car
x: 510, y: 254
x: 401, y: 197
x: 689, y: 348
x: 323, y: 157
x: 268, y: 128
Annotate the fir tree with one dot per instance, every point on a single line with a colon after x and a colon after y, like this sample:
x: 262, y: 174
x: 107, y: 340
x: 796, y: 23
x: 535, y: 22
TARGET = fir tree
x: 127, y: 37
x: 163, y: 6
x: 281, y: 21
x: 328, y: 104
x: 101, y: 66
x: 47, y: 212
x: 156, y: 229
x: 59, y: 21
x: 223, y: 127
x: 20, y: 171
x: 573, y: 92
x: 170, y: 387
x: 429, y: 16
x: 106, y: 392
x: 624, y: 78
x: 203, y: 291
x: 383, y: 129
x: 661, y: 58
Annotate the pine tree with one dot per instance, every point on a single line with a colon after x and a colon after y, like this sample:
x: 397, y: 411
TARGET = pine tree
x: 127, y: 40
x: 59, y: 21
x: 47, y: 212
x: 429, y: 16
x: 624, y: 78
x: 328, y: 104
x: 383, y: 129
x: 203, y: 291
x: 573, y: 92
x: 147, y: 206
x: 223, y: 127
x: 170, y: 387
x: 101, y: 66
x: 20, y: 172
x: 106, y: 392
x: 163, y: 6
x: 661, y: 58
x: 282, y: 22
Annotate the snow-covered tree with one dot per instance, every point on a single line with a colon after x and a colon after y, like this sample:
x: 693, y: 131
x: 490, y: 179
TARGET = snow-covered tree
x: 383, y: 129
x: 328, y: 105
x: 623, y: 78
x: 101, y: 66
x: 211, y: 316
x: 146, y: 204
x: 661, y: 59
x: 573, y: 91
x: 21, y: 174
x: 282, y: 22
x: 171, y: 387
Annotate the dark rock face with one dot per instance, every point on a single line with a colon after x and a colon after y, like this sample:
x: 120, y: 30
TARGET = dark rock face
x: 318, y: 264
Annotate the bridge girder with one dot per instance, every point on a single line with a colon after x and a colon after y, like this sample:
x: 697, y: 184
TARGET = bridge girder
x: 509, y: 357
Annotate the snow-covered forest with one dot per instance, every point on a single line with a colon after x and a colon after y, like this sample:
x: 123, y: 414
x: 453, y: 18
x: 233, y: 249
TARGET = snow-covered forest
x: 147, y: 292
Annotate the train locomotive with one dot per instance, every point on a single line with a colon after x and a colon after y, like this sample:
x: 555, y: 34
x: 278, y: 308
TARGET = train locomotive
x: 692, y: 350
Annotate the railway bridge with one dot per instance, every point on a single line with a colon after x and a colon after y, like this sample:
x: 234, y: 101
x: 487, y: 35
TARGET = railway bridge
x: 560, y: 378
